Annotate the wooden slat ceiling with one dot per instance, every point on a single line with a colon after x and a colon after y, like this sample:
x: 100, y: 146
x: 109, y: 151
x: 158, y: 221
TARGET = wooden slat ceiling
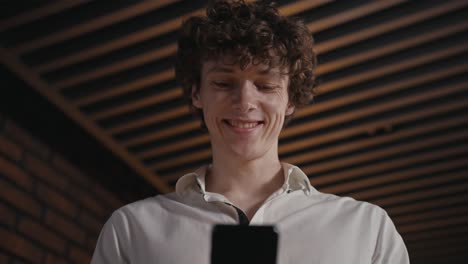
x: 389, y: 125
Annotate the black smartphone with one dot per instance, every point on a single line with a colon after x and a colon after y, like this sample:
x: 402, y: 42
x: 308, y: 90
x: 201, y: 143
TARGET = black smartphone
x: 244, y: 244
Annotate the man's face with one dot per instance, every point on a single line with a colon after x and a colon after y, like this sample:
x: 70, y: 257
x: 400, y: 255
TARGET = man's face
x: 244, y: 110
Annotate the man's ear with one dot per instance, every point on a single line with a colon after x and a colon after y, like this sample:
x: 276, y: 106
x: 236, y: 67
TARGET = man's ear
x: 196, y: 101
x: 290, y: 109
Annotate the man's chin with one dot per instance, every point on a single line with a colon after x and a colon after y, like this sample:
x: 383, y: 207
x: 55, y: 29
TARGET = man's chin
x: 246, y: 153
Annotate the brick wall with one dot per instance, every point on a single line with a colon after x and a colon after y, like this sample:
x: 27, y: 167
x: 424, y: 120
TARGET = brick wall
x: 50, y: 212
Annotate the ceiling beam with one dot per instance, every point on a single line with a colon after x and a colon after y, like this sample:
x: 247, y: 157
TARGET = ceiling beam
x: 435, y: 203
x: 357, y: 145
x: 322, y: 69
x: 439, y: 223
x: 149, y: 119
x: 324, y: 88
x: 380, y: 167
x: 161, y: 133
x: 399, y: 84
x: 179, y: 145
x: 361, y: 129
x: 324, y: 166
x: 352, y: 59
x: 443, y: 177
x: 453, y: 254
x: 137, y: 8
x: 299, y: 6
x: 319, y: 123
x: 379, y: 29
x: 417, y: 195
x: 352, y: 188
x: 392, y: 47
x: 395, y: 149
x: 133, y: 61
x: 129, y: 39
x: 39, y: 85
x: 125, y: 88
x: 138, y: 104
x: 38, y: 13
x: 424, y: 216
x: 435, y: 234
x: 351, y: 14
x: 388, y: 26
x: 388, y: 69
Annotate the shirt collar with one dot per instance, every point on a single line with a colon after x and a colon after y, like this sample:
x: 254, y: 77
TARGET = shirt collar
x: 295, y: 179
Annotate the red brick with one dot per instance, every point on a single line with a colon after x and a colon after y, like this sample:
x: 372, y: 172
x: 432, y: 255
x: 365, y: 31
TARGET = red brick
x: 93, y: 204
x: 92, y: 241
x: 10, y: 149
x: 17, y: 245
x: 64, y: 166
x: 52, y: 259
x: 18, y: 261
x: 109, y: 198
x: 40, y: 233
x: 7, y: 216
x: 80, y: 256
x: 16, y: 174
x: 90, y: 222
x: 42, y: 170
x: 65, y: 227
x: 25, y: 139
x: 56, y: 200
x: 89, y: 201
x: 19, y: 198
x: 4, y: 258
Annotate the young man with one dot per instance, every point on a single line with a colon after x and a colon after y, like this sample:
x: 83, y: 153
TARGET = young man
x: 245, y: 69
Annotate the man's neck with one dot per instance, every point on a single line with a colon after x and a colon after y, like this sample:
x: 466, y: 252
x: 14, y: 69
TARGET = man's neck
x: 241, y: 180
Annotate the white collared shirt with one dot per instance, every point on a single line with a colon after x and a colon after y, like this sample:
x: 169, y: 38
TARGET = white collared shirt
x: 314, y: 228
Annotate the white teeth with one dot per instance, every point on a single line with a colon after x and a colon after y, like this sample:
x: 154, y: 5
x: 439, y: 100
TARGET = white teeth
x: 239, y: 124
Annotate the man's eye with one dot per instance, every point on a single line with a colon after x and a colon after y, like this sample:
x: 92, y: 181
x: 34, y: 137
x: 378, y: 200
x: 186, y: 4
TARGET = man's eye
x: 221, y: 84
x: 266, y: 87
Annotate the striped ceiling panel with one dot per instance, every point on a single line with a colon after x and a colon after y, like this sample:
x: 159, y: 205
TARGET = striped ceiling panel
x: 389, y: 125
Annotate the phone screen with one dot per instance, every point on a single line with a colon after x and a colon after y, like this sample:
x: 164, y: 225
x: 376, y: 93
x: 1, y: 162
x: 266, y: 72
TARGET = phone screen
x: 244, y: 244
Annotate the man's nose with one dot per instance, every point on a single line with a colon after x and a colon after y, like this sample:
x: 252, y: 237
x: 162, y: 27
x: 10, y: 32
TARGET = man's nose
x: 244, y: 97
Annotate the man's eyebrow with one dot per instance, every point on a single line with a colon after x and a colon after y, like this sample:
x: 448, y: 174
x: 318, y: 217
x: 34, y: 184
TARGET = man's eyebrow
x: 224, y: 69
x: 220, y: 69
x: 266, y: 71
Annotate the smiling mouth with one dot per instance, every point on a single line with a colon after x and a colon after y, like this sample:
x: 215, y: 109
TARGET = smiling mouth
x: 242, y: 124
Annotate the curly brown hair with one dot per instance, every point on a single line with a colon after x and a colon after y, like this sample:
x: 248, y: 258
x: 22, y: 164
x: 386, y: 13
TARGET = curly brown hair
x: 252, y: 33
